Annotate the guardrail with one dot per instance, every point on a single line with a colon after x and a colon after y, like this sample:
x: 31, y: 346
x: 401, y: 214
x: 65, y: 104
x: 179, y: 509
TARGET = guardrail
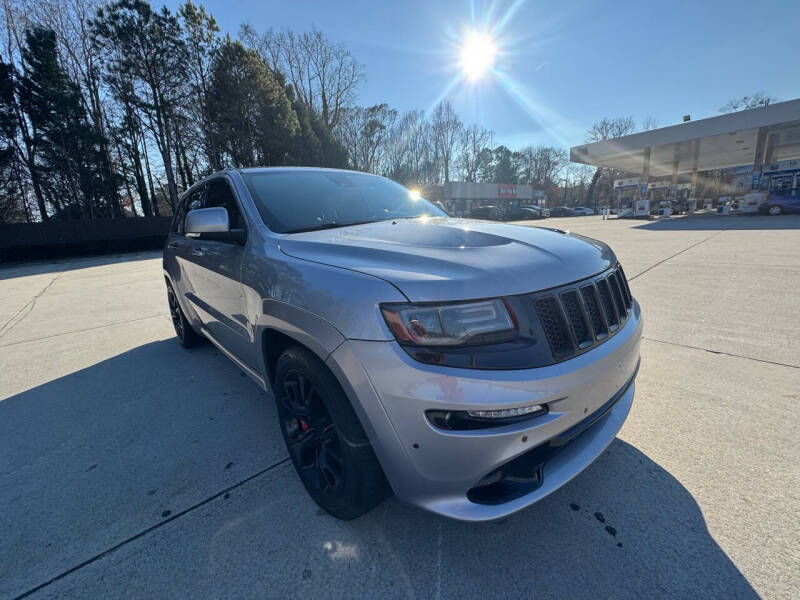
x: 54, y: 239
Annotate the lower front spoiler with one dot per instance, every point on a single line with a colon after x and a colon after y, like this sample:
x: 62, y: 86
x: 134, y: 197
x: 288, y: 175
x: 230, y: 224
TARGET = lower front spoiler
x: 525, y: 473
x: 557, y: 469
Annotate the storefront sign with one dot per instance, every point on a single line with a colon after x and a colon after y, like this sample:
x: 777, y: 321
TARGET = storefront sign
x: 506, y: 190
x: 627, y: 182
x: 784, y: 165
x: 657, y: 185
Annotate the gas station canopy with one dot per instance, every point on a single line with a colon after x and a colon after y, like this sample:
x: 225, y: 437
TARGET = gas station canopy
x: 761, y: 135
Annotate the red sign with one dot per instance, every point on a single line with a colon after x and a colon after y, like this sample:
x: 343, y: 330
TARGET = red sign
x: 506, y: 190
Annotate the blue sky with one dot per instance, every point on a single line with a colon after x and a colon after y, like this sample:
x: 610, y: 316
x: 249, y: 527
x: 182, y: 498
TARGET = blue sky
x: 561, y: 66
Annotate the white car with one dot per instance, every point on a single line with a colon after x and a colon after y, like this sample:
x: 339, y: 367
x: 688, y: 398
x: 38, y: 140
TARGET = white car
x: 582, y: 211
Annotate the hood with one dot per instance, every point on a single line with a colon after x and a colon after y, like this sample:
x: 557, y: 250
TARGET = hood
x: 455, y: 259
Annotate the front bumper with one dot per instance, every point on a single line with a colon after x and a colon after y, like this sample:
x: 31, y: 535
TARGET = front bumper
x: 436, y: 469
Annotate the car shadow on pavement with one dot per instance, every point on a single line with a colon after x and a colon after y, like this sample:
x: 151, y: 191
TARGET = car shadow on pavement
x: 624, y: 528
x: 719, y: 223
x: 95, y: 460
x: 92, y: 458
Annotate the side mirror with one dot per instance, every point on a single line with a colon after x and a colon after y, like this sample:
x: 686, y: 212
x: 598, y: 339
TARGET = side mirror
x: 206, y: 220
x: 212, y: 224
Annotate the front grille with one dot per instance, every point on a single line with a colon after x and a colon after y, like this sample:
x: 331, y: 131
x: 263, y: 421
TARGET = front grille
x: 555, y: 326
x: 582, y: 315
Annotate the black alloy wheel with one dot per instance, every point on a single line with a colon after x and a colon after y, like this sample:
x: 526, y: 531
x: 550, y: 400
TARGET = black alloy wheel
x: 187, y: 336
x: 327, y: 444
x: 311, y: 435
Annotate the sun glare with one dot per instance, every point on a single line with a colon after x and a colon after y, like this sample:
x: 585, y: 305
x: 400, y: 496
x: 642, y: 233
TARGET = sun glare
x: 477, y: 55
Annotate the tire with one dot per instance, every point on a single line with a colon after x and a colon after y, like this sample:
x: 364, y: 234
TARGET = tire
x: 326, y: 442
x: 187, y: 337
x: 775, y: 210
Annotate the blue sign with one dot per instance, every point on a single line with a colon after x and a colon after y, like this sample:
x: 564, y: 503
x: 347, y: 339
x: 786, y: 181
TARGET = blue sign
x: 756, y: 179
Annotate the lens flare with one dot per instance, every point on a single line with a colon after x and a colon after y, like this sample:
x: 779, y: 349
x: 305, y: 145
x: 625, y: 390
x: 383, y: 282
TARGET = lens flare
x: 477, y: 55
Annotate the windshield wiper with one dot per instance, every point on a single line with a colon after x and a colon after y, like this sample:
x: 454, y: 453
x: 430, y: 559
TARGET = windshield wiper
x: 331, y: 225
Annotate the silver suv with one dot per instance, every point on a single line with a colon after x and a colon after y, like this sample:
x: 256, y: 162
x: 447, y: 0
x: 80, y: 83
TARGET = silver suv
x: 470, y: 367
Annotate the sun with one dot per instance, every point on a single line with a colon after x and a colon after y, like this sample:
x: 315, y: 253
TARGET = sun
x: 477, y: 55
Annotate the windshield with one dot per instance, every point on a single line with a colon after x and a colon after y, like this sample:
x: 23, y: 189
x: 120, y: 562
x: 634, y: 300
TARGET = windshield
x: 295, y: 201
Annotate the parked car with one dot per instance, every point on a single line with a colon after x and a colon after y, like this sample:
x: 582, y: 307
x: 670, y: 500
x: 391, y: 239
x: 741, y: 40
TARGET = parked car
x: 579, y: 211
x: 524, y: 213
x: 784, y: 201
x: 471, y: 368
x: 491, y: 213
x: 561, y: 211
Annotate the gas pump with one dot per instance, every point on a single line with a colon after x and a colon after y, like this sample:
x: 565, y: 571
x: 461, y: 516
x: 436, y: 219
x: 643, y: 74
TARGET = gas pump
x: 627, y: 195
x: 658, y: 195
x: 682, y: 198
x: 781, y: 176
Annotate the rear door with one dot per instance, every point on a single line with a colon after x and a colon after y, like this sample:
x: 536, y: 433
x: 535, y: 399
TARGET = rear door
x: 215, y: 276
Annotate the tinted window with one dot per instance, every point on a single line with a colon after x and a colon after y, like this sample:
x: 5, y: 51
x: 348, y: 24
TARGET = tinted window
x: 191, y: 201
x: 220, y: 194
x: 297, y: 200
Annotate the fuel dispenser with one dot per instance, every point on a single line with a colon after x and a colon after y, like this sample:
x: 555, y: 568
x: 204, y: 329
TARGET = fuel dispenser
x: 658, y: 195
x: 682, y: 198
x: 631, y: 198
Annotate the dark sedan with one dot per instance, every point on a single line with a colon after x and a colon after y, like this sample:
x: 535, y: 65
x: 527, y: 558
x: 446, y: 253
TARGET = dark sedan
x: 524, y: 213
x: 562, y: 211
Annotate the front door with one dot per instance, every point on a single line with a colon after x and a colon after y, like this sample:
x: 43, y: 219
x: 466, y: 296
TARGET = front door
x: 215, y: 277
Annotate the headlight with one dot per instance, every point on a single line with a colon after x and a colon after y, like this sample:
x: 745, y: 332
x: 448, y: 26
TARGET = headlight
x: 482, y: 322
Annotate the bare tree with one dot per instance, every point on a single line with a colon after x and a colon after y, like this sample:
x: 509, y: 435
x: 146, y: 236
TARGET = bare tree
x: 471, y: 145
x: 324, y: 74
x: 541, y: 164
x: 608, y: 129
x: 446, y: 127
x: 649, y: 123
x: 747, y: 102
x: 605, y: 129
x: 363, y: 132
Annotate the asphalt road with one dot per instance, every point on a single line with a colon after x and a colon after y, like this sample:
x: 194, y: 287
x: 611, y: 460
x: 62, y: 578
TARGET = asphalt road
x: 132, y: 468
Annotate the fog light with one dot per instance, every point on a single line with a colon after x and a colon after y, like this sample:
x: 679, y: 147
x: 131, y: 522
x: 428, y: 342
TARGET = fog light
x: 506, y: 412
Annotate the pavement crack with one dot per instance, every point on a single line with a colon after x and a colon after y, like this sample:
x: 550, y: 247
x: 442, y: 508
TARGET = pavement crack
x: 150, y: 529
x: 720, y: 352
x: 23, y: 312
x: 661, y: 262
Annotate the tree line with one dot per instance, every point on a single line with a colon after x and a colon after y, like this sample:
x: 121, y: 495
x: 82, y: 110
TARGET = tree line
x: 112, y: 109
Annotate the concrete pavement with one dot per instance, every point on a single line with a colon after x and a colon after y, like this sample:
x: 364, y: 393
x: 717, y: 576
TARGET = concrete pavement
x: 130, y: 467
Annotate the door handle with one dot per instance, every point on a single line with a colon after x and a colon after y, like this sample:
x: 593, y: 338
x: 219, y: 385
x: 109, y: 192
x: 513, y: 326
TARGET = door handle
x: 172, y: 245
x: 199, y: 252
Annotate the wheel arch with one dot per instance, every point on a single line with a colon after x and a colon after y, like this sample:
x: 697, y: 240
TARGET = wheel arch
x: 284, y: 325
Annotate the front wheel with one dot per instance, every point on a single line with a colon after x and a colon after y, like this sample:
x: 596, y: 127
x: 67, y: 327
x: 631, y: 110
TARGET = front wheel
x: 187, y: 336
x: 775, y: 210
x: 328, y: 447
